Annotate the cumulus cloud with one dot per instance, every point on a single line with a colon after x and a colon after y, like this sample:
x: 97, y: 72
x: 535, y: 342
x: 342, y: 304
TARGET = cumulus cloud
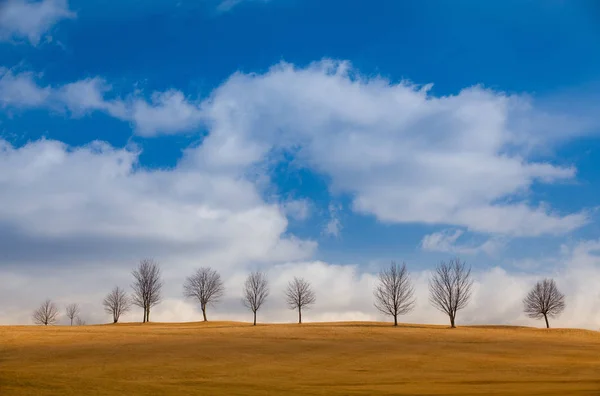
x: 31, y: 20
x: 164, y: 113
x: 403, y: 155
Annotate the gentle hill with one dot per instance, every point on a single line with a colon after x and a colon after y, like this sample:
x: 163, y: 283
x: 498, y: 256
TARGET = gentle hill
x: 349, y: 358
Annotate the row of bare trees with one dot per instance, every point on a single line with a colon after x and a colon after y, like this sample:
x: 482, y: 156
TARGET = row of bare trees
x: 48, y: 313
x: 450, y: 290
x: 204, y: 286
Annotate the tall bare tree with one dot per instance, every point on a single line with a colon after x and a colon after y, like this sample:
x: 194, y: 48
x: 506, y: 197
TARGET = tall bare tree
x: 147, y: 286
x: 206, y: 286
x: 395, y: 294
x: 256, y: 290
x: 299, y: 295
x: 72, y: 312
x: 544, y: 300
x: 46, y: 314
x: 116, y: 303
x: 450, y: 288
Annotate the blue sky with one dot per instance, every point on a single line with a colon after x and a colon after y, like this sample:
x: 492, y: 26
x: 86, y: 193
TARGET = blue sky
x: 309, y: 125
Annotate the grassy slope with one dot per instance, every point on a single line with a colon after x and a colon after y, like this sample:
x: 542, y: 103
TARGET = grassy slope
x: 312, y: 359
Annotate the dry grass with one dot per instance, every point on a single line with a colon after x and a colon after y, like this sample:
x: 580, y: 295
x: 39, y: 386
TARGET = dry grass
x: 312, y: 359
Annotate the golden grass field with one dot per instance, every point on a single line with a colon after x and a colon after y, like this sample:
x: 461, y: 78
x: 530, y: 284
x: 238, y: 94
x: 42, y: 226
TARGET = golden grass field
x: 227, y: 358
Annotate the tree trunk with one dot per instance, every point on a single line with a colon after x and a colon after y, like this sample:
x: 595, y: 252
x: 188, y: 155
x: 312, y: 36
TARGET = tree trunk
x: 254, y: 318
x: 71, y: 321
x: 547, y: 324
x: 148, y: 315
x: 299, y: 315
x: 144, y: 320
x: 115, y: 320
x: 204, y: 313
x: 395, y: 320
x: 452, y: 322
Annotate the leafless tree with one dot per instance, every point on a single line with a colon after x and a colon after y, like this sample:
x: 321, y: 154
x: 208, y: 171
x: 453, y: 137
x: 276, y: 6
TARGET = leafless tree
x: 116, y: 303
x: 299, y: 295
x: 72, y: 312
x: 544, y: 300
x: 80, y: 322
x: 395, y: 294
x: 46, y: 314
x: 206, y: 286
x: 450, y: 288
x: 147, y: 286
x: 256, y: 290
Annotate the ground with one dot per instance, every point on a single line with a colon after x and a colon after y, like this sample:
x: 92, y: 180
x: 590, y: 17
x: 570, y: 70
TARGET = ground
x: 227, y: 358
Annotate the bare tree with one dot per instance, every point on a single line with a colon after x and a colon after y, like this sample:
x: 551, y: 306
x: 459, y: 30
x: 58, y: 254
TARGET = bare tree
x: 450, y: 288
x: 299, y: 295
x: 116, y: 303
x: 72, y: 312
x: 80, y: 322
x: 544, y: 300
x: 256, y: 290
x: 46, y: 314
x: 395, y: 294
x: 206, y: 286
x: 146, y: 286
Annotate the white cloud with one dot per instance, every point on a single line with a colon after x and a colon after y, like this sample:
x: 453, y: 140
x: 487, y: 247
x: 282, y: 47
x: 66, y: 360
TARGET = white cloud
x: 403, y: 155
x: 31, y: 20
x: 166, y: 112
x: 21, y: 90
x: 446, y: 241
x: 52, y: 191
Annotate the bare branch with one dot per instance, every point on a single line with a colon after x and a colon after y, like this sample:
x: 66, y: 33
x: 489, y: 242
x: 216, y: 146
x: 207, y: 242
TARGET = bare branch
x: 116, y: 303
x: 146, y: 286
x: 450, y: 288
x: 206, y: 286
x: 72, y: 312
x: 46, y: 314
x: 299, y: 295
x: 395, y: 294
x: 544, y: 300
x: 256, y: 290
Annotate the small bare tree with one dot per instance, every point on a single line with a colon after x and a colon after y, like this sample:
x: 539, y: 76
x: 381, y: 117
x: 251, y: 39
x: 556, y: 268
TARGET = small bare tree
x: 299, y: 295
x: 46, y: 314
x: 256, y: 290
x: 146, y: 286
x: 72, y: 312
x: 206, y: 286
x: 80, y: 322
x: 395, y: 294
x: 116, y: 303
x: 544, y: 300
x: 450, y: 288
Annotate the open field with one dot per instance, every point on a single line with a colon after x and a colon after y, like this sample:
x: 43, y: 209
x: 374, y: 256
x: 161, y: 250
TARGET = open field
x: 226, y: 358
